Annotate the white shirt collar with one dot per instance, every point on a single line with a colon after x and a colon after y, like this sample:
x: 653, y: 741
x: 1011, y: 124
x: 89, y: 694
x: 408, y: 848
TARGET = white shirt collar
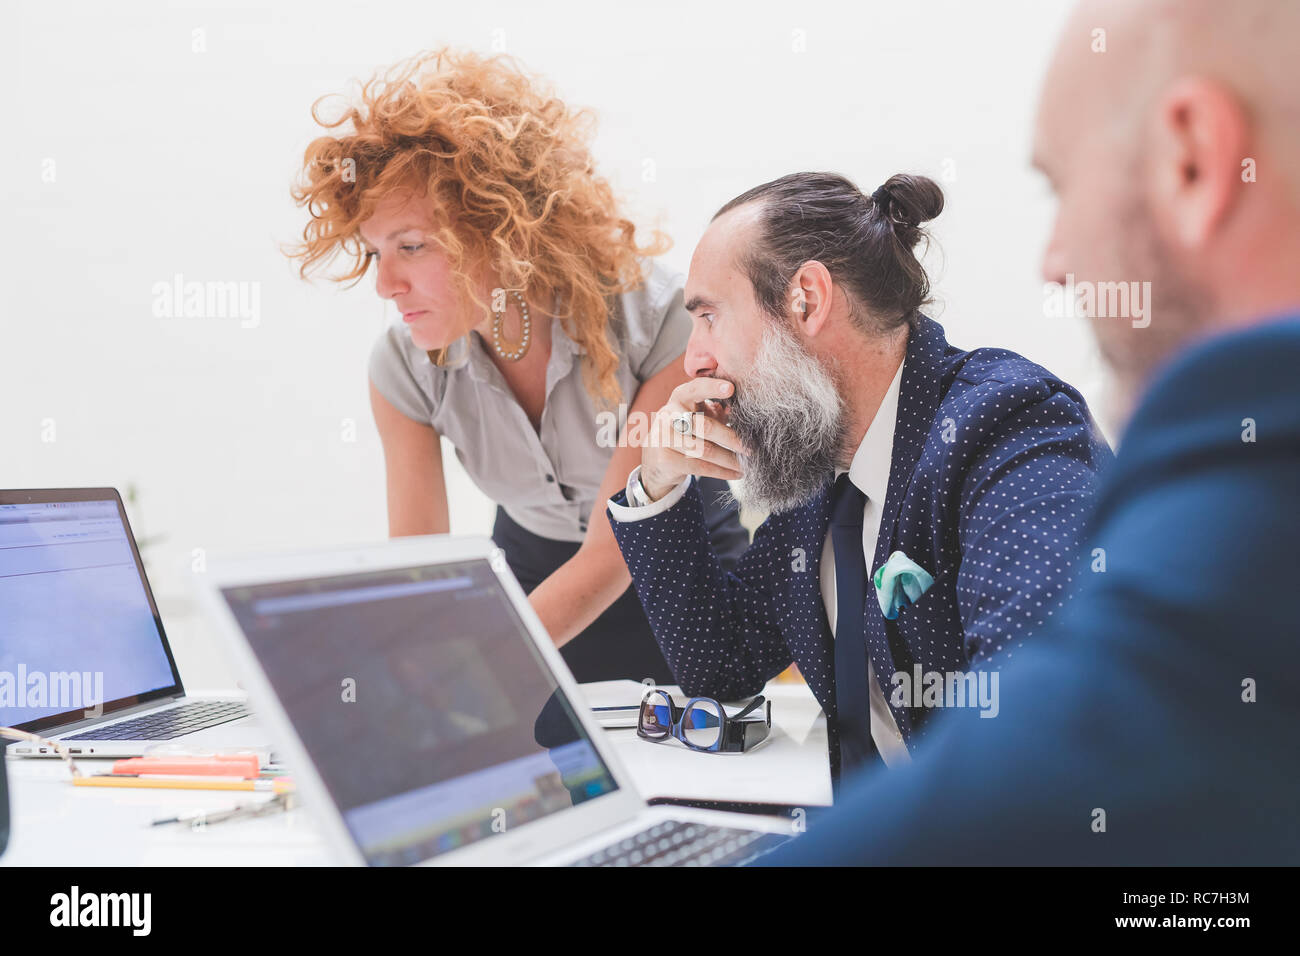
x: 869, y: 470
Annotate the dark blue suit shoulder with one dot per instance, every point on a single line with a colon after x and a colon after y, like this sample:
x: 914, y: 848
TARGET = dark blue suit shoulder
x: 993, y: 385
x: 1003, y: 366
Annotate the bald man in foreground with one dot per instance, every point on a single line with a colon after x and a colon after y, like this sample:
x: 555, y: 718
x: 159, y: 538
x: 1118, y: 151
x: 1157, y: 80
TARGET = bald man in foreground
x: 1158, y: 725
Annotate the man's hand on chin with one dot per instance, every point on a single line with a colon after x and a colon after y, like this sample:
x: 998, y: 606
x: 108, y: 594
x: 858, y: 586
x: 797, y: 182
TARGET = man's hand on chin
x: 689, y: 436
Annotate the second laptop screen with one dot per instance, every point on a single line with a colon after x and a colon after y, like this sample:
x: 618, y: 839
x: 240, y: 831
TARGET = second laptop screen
x: 424, y: 704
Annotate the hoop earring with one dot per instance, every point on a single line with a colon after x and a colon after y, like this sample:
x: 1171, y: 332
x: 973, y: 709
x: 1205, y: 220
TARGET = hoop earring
x: 526, y: 333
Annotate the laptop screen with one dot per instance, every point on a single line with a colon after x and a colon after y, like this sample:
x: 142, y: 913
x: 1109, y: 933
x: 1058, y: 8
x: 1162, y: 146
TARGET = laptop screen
x: 77, y: 625
x: 427, y: 710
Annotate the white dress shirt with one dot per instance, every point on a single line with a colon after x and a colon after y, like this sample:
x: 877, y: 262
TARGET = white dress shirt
x: 869, y: 471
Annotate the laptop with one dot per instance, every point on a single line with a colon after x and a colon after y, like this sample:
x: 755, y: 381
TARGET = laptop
x: 84, y: 659
x: 427, y: 718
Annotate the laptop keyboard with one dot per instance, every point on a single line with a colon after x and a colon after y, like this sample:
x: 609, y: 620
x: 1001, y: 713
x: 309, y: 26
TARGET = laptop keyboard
x: 676, y: 843
x: 164, y: 725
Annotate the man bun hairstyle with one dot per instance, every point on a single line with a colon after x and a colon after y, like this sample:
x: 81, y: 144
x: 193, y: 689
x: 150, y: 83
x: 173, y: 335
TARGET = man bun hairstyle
x: 867, y: 243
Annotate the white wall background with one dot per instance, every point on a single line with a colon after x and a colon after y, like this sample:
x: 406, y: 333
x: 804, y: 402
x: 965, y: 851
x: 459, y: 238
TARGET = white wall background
x: 128, y: 158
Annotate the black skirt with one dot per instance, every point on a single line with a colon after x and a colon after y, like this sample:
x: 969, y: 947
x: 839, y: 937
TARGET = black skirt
x: 619, y: 643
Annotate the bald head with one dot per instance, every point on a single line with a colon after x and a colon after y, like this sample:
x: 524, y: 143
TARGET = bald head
x: 1246, y: 46
x: 1170, y: 130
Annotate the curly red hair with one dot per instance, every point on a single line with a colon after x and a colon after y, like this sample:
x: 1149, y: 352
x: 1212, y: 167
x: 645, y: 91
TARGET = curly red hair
x: 509, y: 169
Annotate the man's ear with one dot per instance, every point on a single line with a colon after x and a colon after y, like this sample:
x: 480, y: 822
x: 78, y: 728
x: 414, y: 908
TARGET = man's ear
x: 1200, y: 143
x: 810, y: 297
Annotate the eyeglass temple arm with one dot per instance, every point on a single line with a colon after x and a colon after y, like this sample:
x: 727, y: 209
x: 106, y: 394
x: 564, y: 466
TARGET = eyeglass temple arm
x: 741, y: 733
x: 752, y: 705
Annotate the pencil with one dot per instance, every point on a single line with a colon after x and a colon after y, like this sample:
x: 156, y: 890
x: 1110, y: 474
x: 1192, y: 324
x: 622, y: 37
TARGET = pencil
x: 281, y: 785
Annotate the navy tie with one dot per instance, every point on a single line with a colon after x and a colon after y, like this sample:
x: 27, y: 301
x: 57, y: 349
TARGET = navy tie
x: 852, y: 697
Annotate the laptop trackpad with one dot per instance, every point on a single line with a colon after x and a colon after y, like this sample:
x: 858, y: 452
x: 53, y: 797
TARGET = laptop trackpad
x: 236, y: 734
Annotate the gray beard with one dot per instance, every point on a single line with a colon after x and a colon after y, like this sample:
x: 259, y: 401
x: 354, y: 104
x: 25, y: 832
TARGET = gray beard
x: 789, y: 413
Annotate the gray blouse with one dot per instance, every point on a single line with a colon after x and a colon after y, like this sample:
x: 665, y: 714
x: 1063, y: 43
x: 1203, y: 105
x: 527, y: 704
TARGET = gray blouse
x: 547, y: 481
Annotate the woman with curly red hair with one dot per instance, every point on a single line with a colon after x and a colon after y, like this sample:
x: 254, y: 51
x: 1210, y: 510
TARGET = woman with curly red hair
x: 528, y: 309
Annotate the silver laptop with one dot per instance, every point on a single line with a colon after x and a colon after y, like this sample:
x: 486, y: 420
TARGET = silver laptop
x: 84, y: 659
x: 428, y: 718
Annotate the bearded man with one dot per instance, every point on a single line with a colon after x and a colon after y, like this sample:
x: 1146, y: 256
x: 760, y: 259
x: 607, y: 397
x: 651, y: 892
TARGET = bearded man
x: 927, y: 503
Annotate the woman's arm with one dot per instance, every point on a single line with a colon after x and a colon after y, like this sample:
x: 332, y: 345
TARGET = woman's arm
x: 582, y: 588
x: 417, y: 489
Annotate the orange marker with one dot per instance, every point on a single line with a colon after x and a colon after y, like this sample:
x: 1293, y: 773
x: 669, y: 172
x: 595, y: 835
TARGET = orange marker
x: 233, y: 765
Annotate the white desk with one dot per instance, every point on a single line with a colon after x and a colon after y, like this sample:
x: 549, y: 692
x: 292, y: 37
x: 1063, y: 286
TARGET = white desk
x: 56, y: 824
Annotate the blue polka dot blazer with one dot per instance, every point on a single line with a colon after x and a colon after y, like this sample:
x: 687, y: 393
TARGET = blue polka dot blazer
x: 991, y: 479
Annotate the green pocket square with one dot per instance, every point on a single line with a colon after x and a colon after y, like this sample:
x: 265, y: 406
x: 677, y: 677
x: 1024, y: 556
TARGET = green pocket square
x: 899, y: 581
